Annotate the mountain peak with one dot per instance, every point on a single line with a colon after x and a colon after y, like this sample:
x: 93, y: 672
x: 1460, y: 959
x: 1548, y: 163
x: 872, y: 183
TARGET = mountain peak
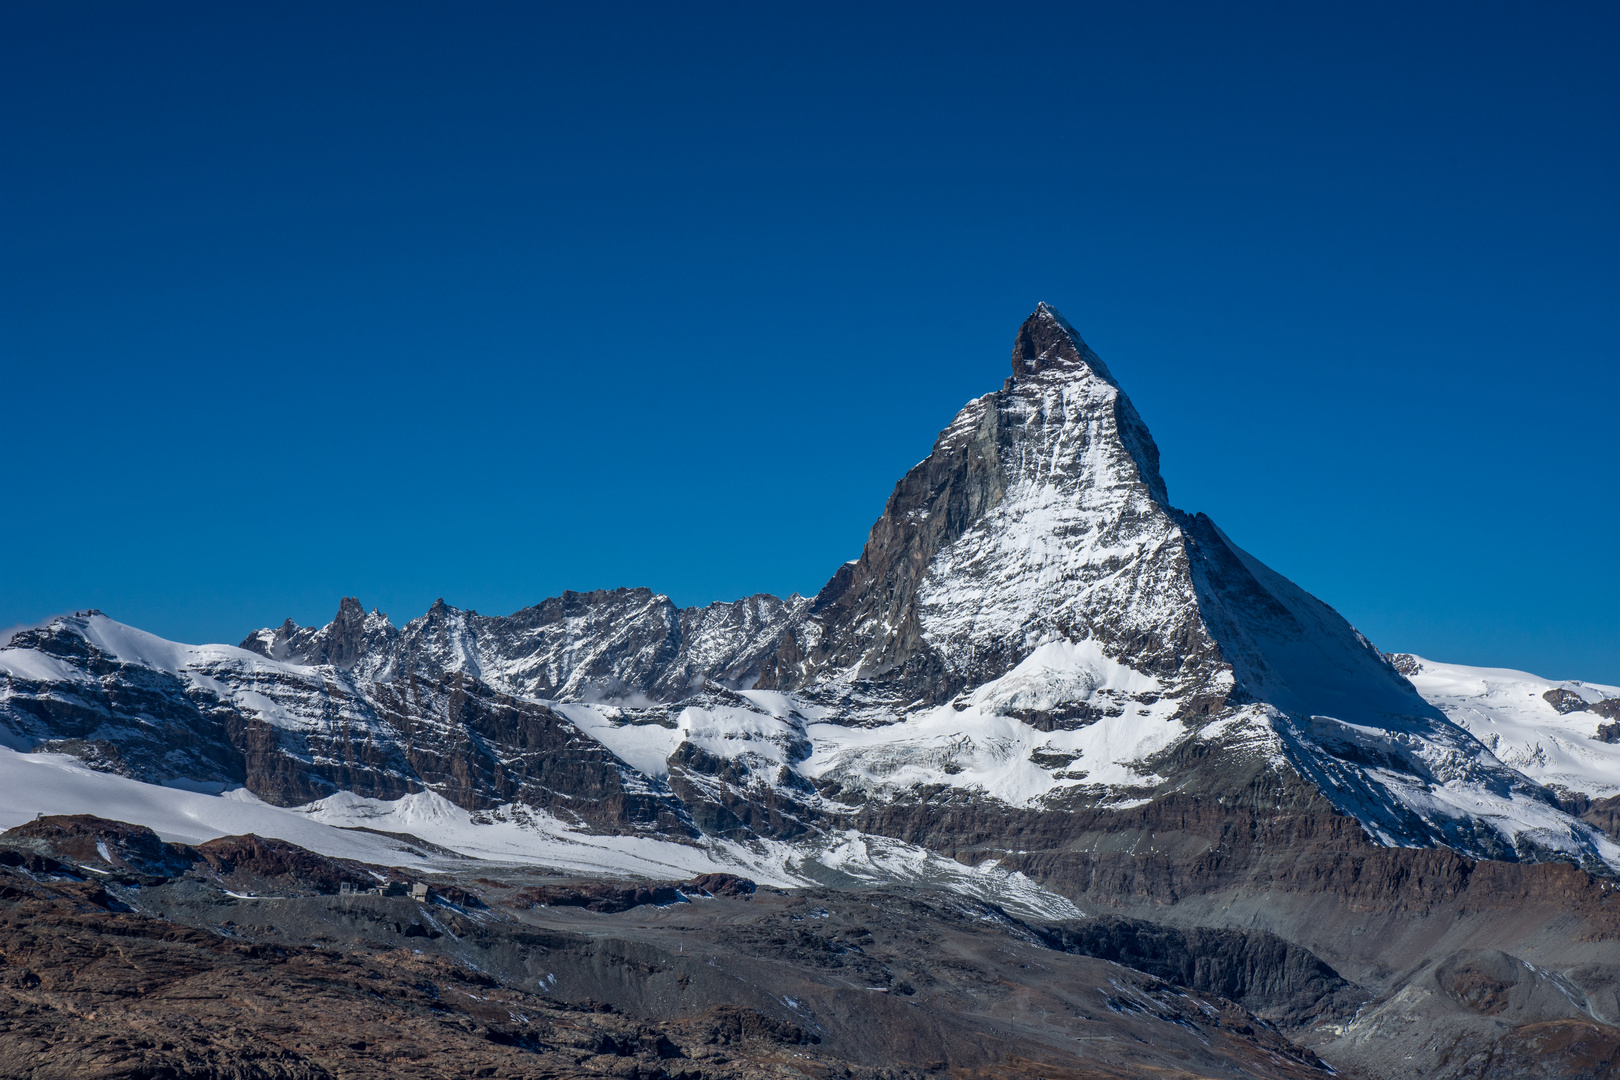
x: 1047, y: 342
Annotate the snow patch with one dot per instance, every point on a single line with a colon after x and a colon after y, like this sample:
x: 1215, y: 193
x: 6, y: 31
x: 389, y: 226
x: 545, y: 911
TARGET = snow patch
x: 29, y: 665
x: 1508, y: 711
x: 977, y: 745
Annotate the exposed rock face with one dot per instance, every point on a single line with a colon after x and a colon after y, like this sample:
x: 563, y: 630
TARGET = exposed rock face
x: 135, y: 855
x: 603, y: 897
x: 294, y: 733
x: 1565, y: 701
x: 481, y: 748
x: 350, y: 637
x: 86, y: 840
x: 124, y: 716
x: 1269, y: 976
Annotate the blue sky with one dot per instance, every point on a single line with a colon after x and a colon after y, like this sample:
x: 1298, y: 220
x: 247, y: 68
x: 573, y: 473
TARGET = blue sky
x: 491, y: 301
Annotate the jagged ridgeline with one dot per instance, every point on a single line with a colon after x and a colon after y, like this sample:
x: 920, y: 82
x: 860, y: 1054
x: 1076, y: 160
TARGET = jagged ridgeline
x: 1036, y: 659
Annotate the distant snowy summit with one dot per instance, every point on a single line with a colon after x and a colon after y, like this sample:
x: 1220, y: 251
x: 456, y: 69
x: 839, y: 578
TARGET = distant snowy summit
x: 1034, y: 652
x: 1563, y: 734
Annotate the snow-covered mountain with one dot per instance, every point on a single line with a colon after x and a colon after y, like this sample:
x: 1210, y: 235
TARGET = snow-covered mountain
x: 1563, y: 734
x: 1032, y: 634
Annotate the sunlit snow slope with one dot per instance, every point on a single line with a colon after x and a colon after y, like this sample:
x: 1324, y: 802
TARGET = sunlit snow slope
x: 428, y: 832
x: 1565, y: 734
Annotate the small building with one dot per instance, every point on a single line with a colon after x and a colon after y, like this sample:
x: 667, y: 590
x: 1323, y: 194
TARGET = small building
x: 417, y: 891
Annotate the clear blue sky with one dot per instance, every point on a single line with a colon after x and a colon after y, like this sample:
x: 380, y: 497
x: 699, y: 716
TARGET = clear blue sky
x: 488, y: 301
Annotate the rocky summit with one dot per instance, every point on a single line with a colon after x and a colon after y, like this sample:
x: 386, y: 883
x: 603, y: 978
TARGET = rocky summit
x: 1040, y: 685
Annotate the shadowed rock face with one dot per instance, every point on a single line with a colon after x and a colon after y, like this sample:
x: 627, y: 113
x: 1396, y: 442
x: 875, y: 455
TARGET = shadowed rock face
x: 120, y: 716
x: 1270, y: 976
x: 330, y: 731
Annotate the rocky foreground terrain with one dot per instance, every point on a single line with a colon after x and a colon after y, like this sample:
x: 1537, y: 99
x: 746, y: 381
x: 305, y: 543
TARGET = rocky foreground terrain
x: 1052, y: 776
x: 225, y: 960
x: 245, y: 957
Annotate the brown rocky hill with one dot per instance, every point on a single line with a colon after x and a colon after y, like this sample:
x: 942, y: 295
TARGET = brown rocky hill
x: 180, y: 977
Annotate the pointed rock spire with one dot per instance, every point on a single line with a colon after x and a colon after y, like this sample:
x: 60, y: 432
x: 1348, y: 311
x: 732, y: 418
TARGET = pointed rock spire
x: 346, y: 638
x: 1040, y: 514
x: 1047, y: 342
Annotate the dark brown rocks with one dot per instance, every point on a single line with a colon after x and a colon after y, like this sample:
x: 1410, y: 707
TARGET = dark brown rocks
x: 1568, y: 701
x: 255, y: 861
x: 85, y: 840
x: 1265, y: 974
x: 1565, y: 701
x: 608, y: 897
